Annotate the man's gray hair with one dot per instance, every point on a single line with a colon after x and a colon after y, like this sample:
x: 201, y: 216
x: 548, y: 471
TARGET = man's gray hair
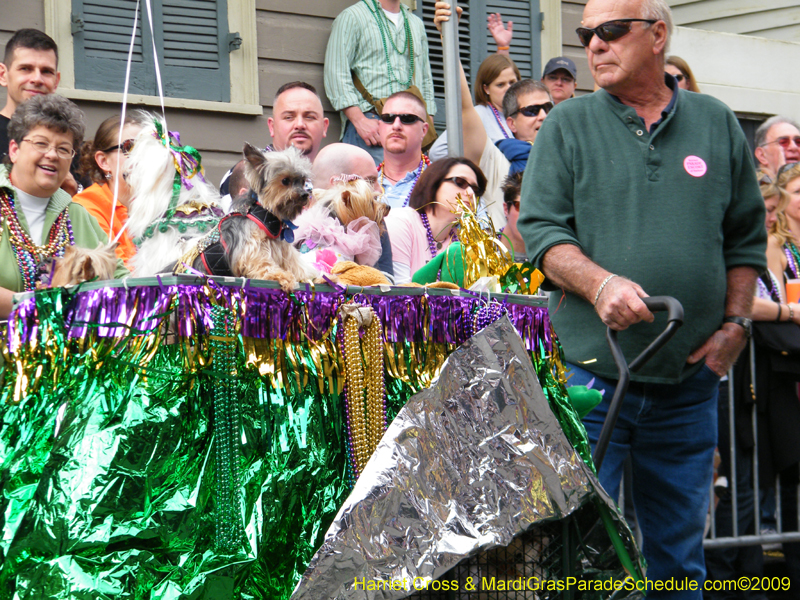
x: 51, y: 111
x: 763, y: 129
x: 659, y: 10
x: 524, y: 86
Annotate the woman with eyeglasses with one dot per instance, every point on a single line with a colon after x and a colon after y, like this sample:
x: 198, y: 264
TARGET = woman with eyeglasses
x: 103, y: 160
x: 426, y: 226
x: 679, y: 69
x: 39, y: 219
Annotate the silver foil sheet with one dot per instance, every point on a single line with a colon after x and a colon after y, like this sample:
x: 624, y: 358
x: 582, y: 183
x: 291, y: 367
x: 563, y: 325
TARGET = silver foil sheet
x: 467, y: 465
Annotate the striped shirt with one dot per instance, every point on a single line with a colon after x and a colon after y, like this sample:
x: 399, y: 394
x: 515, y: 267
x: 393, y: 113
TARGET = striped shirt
x: 356, y: 45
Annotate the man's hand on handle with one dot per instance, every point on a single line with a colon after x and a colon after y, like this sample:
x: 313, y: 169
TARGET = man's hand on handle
x: 620, y: 305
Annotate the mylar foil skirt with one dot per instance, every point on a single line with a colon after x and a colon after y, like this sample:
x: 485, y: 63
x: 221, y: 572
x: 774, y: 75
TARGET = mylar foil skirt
x: 178, y: 438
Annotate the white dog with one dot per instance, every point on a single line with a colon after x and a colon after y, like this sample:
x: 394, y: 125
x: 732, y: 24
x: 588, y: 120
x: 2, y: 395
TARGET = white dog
x: 162, y: 224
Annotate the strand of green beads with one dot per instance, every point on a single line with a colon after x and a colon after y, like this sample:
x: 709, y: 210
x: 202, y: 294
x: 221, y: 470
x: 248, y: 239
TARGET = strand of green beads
x: 227, y: 432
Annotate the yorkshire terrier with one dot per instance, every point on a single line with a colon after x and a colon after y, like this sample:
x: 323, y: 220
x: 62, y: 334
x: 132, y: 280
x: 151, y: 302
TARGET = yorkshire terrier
x: 83, y: 264
x: 255, y: 239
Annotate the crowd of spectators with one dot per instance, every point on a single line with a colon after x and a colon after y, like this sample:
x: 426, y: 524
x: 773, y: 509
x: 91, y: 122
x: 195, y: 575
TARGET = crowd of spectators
x: 644, y: 201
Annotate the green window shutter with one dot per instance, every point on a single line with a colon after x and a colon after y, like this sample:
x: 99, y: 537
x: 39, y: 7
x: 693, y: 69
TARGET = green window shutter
x: 195, y: 49
x: 526, y: 45
x: 191, y: 37
x: 101, y: 37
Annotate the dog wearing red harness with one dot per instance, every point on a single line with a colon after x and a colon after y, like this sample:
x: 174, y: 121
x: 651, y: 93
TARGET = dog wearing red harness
x: 255, y: 239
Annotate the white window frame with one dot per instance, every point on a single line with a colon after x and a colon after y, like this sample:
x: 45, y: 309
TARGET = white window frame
x: 243, y: 63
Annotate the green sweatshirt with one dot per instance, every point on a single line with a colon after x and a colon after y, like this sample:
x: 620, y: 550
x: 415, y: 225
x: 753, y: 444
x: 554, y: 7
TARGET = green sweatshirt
x: 87, y: 232
x: 672, y: 210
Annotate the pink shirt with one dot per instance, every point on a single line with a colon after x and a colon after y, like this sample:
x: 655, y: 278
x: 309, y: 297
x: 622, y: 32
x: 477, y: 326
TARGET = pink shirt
x: 409, y: 240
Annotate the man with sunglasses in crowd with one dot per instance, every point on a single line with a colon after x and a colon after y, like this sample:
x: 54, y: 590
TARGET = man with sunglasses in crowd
x: 525, y: 107
x: 401, y: 129
x: 644, y: 189
x: 777, y: 142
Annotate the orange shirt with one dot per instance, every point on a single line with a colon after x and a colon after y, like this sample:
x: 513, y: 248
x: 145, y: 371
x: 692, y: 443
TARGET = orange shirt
x: 97, y: 200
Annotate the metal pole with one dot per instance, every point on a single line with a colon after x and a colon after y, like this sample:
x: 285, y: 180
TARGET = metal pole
x: 452, y: 84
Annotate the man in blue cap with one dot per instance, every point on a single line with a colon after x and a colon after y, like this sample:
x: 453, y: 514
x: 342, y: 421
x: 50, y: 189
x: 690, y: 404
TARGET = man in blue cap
x: 560, y: 77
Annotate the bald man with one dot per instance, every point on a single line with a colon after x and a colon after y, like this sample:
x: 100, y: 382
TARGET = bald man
x: 339, y: 159
x: 335, y: 160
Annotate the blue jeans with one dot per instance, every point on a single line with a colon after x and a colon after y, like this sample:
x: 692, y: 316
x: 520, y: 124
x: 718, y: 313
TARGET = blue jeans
x: 670, y: 432
x: 351, y: 137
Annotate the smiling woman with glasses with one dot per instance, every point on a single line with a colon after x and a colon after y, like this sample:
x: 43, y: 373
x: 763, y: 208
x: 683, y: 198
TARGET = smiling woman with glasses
x: 427, y: 226
x: 103, y: 160
x: 39, y: 219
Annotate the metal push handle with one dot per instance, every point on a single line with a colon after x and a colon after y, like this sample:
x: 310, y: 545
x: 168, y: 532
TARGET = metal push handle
x: 674, y: 321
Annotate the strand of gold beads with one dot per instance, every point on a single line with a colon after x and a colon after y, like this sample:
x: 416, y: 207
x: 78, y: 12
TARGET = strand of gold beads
x: 366, y: 412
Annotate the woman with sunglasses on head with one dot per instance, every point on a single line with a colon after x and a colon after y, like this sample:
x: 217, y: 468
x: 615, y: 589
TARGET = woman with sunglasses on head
x: 679, y: 69
x: 103, y: 160
x: 39, y: 219
x: 783, y: 245
x: 427, y: 225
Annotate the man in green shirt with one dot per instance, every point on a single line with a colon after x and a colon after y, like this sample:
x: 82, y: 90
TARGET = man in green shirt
x: 644, y: 189
x: 383, y: 44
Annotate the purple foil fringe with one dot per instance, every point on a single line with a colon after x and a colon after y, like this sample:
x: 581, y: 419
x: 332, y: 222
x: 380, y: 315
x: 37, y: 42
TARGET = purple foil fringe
x: 116, y: 312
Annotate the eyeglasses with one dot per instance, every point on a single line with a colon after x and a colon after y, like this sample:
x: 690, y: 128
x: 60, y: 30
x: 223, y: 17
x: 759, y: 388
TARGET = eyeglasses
x: 405, y: 118
x: 464, y: 184
x: 534, y: 109
x: 125, y: 146
x: 609, y: 31
x: 785, y: 141
x: 513, y: 204
x: 42, y: 147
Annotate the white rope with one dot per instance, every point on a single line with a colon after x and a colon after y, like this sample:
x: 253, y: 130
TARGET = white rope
x: 122, y: 123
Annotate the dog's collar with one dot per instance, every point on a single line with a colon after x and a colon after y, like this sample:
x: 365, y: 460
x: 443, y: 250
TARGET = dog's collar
x: 266, y: 221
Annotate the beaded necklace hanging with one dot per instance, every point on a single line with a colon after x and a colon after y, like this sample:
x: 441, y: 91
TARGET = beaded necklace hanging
x: 379, y: 17
x: 499, y: 121
x: 30, y: 256
x: 433, y: 245
x: 792, y: 257
x: 365, y: 393
x: 773, y: 291
x: 424, y: 163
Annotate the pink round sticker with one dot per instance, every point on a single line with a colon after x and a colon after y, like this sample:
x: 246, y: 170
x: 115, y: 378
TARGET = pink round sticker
x: 695, y: 166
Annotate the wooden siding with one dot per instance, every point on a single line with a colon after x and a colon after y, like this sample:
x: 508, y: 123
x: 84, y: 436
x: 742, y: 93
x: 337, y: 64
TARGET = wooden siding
x: 571, y: 14
x: 773, y: 19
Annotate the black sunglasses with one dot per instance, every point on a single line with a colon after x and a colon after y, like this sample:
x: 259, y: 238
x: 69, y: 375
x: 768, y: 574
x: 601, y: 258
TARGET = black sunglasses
x: 533, y: 110
x: 125, y: 146
x: 405, y: 118
x: 464, y: 184
x: 609, y: 31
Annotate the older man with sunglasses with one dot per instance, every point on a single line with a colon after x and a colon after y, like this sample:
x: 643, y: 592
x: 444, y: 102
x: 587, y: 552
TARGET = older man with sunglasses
x: 645, y: 189
x: 777, y: 142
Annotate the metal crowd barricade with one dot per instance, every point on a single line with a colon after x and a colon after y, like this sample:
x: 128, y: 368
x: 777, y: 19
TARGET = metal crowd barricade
x: 737, y: 540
